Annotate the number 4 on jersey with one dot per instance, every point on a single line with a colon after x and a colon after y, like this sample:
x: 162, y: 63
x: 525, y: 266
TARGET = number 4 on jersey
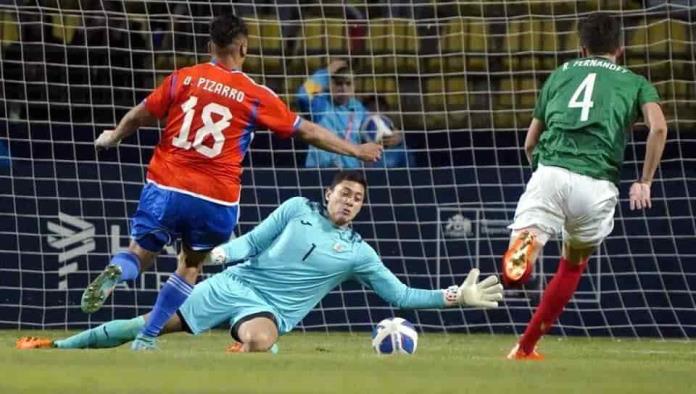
x: 585, y: 88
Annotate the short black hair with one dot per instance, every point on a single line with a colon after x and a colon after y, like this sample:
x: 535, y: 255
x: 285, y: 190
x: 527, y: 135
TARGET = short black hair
x: 600, y: 33
x: 353, y: 176
x: 226, y: 28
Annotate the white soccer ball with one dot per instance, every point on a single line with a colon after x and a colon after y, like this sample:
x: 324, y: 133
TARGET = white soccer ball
x: 394, y: 336
x: 378, y: 126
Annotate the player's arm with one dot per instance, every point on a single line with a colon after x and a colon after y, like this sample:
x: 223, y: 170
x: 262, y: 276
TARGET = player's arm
x: 314, y: 134
x: 275, y: 115
x: 260, y: 238
x: 639, y: 194
x: 154, y: 107
x: 536, y: 127
x: 136, y: 117
x: 532, y: 139
x: 372, y: 272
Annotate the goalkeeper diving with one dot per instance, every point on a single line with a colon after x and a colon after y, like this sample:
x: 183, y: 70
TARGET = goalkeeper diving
x: 286, y: 265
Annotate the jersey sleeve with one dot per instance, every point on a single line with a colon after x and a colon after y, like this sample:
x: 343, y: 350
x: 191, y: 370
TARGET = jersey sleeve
x: 159, y: 101
x: 542, y: 101
x: 647, y: 93
x: 263, y: 235
x: 275, y: 115
x: 371, y: 272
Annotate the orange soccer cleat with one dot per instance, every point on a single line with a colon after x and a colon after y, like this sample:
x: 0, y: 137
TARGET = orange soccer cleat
x: 25, y: 343
x: 518, y: 354
x: 517, y: 261
x: 235, y: 347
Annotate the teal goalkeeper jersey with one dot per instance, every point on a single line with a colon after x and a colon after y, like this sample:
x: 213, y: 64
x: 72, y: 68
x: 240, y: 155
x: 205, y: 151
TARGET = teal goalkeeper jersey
x: 297, y: 255
x: 587, y: 106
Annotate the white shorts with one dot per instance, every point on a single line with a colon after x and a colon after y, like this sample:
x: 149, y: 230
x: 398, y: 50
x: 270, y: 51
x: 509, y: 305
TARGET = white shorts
x: 557, y: 199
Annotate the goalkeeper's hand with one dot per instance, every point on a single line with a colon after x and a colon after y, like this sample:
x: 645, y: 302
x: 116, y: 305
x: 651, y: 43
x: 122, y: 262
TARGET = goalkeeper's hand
x: 107, y: 139
x: 484, y: 294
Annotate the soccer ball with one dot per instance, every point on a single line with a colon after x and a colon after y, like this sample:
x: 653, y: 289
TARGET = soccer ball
x: 377, y: 127
x: 394, y: 336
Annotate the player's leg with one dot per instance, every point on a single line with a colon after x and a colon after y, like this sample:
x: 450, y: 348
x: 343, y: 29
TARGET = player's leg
x: 107, y: 335
x: 203, y: 225
x: 149, y: 232
x: 172, y: 295
x: 556, y: 295
x: 523, y: 250
x: 112, y: 334
x: 590, y: 210
x: 257, y: 332
x: 224, y: 298
x: 538, y: 217
x: 123, y: 266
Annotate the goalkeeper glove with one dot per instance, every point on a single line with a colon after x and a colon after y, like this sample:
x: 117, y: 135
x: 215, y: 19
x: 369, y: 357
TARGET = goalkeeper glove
x: 217, y: 256
x: 484, y: 294
x: 107, y: 139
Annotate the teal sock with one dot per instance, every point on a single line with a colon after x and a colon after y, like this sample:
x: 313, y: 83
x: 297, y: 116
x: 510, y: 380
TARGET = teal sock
x: 111, y: 334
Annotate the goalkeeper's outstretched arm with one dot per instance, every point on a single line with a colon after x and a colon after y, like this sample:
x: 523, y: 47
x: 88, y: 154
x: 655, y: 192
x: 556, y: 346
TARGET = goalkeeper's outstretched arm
x: 472, y: 293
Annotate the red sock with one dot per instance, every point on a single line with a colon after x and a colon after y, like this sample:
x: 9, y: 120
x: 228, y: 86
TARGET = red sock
x: 555, y: 298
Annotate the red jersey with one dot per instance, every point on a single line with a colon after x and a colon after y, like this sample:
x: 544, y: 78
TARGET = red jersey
x: 212, y: 113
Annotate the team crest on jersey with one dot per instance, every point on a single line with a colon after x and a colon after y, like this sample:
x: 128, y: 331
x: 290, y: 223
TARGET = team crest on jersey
x: 339, y: 247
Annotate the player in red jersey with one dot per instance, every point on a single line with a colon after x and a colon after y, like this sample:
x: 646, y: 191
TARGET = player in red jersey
x: 193, y: 179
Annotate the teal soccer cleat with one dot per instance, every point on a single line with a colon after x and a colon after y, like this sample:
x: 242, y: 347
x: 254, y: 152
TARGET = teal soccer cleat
x: 99, y: 290
x: 144, y: 343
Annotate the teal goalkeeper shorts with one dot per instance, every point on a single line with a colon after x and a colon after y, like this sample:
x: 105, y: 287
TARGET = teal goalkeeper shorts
x: 224, y: 298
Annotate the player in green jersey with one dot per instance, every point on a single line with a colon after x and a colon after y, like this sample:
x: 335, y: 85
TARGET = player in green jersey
x: 575, y: 143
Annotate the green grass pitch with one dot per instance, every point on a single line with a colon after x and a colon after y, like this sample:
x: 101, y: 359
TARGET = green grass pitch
x: 338, y: 362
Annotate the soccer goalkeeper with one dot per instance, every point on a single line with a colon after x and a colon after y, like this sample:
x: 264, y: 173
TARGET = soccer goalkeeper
x: 291, y: 260
x: 576, y: 143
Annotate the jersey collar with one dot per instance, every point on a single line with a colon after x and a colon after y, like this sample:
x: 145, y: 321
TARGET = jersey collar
x: 599, y: 57
x: 215, y: 63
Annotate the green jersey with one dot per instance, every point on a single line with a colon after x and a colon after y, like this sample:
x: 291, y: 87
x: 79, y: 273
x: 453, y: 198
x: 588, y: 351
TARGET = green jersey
x: 587, y: 106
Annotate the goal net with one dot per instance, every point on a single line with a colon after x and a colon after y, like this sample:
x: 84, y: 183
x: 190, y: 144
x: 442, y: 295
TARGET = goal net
x: 459, y: 78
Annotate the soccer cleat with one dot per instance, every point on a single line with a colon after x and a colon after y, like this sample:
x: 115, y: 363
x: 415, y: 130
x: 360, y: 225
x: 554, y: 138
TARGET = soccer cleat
x: 144, y: 343
x: 518, y: 354
x: 26, y: 343
x: 235, y: 347
x: 99, y: 290
x: 517, y: 261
